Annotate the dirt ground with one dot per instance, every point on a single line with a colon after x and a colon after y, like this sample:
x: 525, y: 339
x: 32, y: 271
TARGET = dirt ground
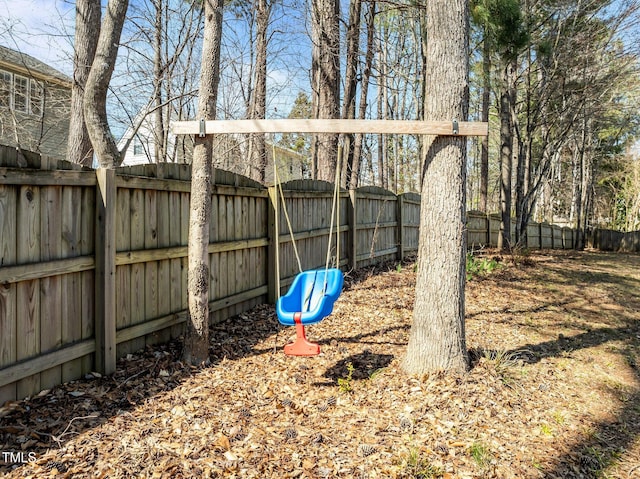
x: 554, y: 390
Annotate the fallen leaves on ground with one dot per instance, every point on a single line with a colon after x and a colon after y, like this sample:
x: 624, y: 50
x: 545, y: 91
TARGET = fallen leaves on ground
x: 553, y: 390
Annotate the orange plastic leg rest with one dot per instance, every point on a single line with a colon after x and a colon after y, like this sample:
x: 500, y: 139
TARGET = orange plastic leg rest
x: 301, y: 347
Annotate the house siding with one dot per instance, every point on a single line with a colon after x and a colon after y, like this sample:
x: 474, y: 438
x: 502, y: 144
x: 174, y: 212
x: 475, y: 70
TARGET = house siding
x: 44, y: 128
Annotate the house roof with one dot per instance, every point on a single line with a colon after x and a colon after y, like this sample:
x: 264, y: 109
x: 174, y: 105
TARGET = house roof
x: 28, y: 65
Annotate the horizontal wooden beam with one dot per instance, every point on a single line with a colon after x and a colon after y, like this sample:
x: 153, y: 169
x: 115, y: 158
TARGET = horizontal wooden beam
x: 147, y: 255
x: 377, y: 254
x: 23, y: 177
x: 26, y: 272
x: 29, y: 367
x: 174, y: 319
x: 149, y: 327
x: 175, y: 252
x: 409, y: 127
x: 158, y: 184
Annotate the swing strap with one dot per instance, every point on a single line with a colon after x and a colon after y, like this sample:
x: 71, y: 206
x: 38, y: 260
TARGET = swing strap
x: 335, y: 213
x: 276, y: 178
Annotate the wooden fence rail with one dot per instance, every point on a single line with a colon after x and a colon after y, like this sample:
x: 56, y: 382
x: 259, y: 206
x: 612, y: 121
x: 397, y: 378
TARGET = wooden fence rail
x: 93, y: 264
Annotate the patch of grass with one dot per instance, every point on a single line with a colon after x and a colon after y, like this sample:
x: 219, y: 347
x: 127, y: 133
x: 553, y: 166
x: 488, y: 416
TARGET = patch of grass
x: 537, y: 465
x: 546, y: 430
x: 481, y: 454
x: 416, y: 466
x: 345, y: 384
x: 559, y: 417
x: 480, y: 266
x: 501, y: 360
x: 376, y: 373
x: 503, y: 363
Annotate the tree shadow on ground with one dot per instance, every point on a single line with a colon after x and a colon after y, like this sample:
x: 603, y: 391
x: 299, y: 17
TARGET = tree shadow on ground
x: 596, y: 453
x: 533, y: 353
x: 358, y: 366
x: 361, y: 338
x: 516, y: 311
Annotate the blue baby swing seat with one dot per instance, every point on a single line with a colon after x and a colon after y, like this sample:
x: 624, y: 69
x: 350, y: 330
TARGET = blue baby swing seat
x: 309, y: 299
x: 311, y: 294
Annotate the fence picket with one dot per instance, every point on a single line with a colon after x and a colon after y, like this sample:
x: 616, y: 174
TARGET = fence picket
x: 8, y: 316
x: 28, y: 310
x: 51, y: 286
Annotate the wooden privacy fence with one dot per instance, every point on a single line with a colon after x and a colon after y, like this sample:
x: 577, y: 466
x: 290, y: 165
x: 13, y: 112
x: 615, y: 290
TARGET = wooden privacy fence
x: 610, y: 240
x: 483, y: 230
x: 93, y: 264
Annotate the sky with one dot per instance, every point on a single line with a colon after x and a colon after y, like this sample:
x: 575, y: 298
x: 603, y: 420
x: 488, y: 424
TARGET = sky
x: 40, y: 28
x: 44, y: 30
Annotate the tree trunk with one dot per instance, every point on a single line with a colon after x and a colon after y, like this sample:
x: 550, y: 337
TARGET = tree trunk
x: 325, y: 16
x: 196, y: 345
x: 382, y: 169
x: 586, y: 184
x: 88, y: 13
x: 351, y: 82
x: 259, y: 94
x: 437, y: 339
x: 356, y: 156
x: 521, y: 193
x: 159, y: 127
x: 506, y: 156
x: 484, y: 142
x: 95, y: 94
x: 523, y: 173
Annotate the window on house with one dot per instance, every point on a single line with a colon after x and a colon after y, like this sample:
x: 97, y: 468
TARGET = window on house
x: 21, y: 94
x: 5, y: 89
x: 137, y: 147
x: 36, y: 98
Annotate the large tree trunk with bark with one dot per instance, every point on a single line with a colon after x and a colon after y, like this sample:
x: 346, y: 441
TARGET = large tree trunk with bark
x: 506, y: 153
x: 95, y: 94
x: 351, y: 82
x: 356, y: 155
x: 196, y: 346
x: 437, y: 339
x: 259, y: 97
x: 383, y: 109
x: 158, y: 74
x: 88, y: 14
x: 484, y: 142
x: 325, y: 26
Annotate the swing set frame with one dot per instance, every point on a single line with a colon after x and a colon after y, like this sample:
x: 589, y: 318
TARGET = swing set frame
x: 202, y: 128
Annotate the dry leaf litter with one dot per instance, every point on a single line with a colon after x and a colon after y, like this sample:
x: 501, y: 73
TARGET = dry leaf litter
x: 553, y: 390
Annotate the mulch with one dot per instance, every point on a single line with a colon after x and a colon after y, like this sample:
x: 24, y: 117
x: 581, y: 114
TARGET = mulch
x: 553, y: 390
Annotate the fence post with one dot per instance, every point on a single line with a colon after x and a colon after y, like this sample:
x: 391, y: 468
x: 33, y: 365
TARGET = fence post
x: 400, y: 223
x: 272, y: 248
x: 353, y: 231
x: 105, y: 279
x: 540, y: 235
x: 489, y: 230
